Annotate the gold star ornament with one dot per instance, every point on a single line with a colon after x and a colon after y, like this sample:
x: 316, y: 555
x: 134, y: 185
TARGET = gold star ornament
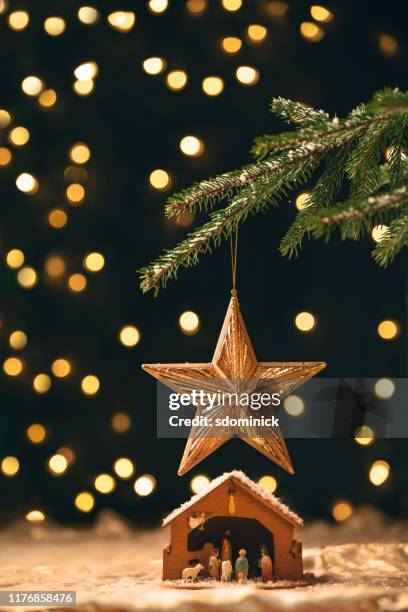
x: 234, y: 369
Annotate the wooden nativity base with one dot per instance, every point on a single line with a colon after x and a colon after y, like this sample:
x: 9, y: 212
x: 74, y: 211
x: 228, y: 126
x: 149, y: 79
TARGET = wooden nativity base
x: 306, y: 580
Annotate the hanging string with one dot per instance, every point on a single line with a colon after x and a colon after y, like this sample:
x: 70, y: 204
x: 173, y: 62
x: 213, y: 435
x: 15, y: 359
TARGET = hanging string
x: 234, y: 255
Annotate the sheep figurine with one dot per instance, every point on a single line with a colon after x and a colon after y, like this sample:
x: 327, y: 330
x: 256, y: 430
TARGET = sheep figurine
x: 189, y: 574
x: 226, y: 571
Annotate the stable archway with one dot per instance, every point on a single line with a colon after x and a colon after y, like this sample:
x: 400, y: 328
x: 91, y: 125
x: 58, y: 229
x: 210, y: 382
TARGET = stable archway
x: 244, y: 533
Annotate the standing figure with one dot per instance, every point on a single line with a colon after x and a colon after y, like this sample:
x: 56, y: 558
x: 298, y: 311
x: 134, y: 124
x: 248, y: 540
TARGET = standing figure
x: 226, y: 571
x: 266, y: 565
x: 242, y: 567
x: 214, y: 563
x: 226, y: 548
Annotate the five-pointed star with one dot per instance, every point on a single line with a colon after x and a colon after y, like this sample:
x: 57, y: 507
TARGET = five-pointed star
x: 234, y: 369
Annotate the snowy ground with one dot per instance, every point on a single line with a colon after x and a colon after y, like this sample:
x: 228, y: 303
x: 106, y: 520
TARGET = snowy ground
x: 359, y: 565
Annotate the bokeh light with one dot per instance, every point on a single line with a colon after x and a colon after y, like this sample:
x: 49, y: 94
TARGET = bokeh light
x: 94, y: 262
x: 36, y: 433
x: 19, y: 136
x: 15, y: 258
x: 80, y: 153
x: 321, y: 13
x: 27, y: 277
x: 42, y: 383
x: 198, y: 483
x: 122, y: 21
x: 189, y: 322
x: 18, y: 20
x: 342, y: 510
x: 213, y: 85
x: 5, y: 156
x: 388, y: 329
x: 54, y: 26
x: 268, y: 483
x: 5, y: 118
x: 379, y: 472
x: 191, y: 146
x: 388, y: 45
x: 18, y: 340
x: 257, y: 33
x: 10, y: 466
x: 77, y: 283
x: 57, y: 218
x: 196, y: 7
x: 176, y: 79
x: 61, y: 367
x: 305, y: 321
x: 58, y: 464
x: 85, y: 501
x: 145, y: 485
x: 35, y: 516
x: 247, y: 75
x: 231, y: 5
x: 158, y: 6
x: 124, y: 468
x: 55, y: 266
x: 48, y: 98
x: 88, y: 15
x: 105, y: 483
x: 90, y: 384
x: 379, y: 232
x: 311, y: 32
x: 364, y: 435
x: 86, y: 71
x: 129, y: 335
x: 384, y: 388
x: 159, y: 179
x: 32, y: 85
x: 121, y: 422
x: 84, y: 88
x: 27, y: 183
x: 302, y: 200
x: 294, y: 405
x: 75, y: 193
x: 154, y: 65
x: 231, y: 44
x: 13, y: 366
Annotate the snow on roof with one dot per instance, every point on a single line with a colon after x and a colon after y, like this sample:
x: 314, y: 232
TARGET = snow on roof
x: 243, y: 478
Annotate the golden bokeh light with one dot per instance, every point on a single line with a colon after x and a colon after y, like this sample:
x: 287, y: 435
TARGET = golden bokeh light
x: 231, y: 44
x: 302, y: 200
x: 61, y: 367
x: 86, y: 71
x: 311, y: 32
x: 256, y: 32
x: 276, y: 8
x: 104, y: 483
x: 85, y: 501
x: 122, y: 21
x: 54, y: 26
x: 160, y: 179
x: 388, y: 45
x: 15, y: 258
x: 75, y: 193
x: 198, y: 483
x: 294, y: 405
x: 321, y: 13
x: 129, y: 335
x: 379, y: 472
x: 42, y: 383
x: 5, y: 156
x: 80, y: 153
x: 90, y: 384
x: 379, y: 232
x: 68, y: 453
x: 364, y: 435
x: 58, y: 464
x: 57, y: 218
x: 10, y: 466
x: 84, y: 88
x: 94, y: 262
x: 191, y: 146
x: 18, y: 20
x: 269, y: 483
x: 19, y: 136
x: 18, y: 340
x: 3, y: 6
x: 124, y: 468
x: 27, y: 277
x: 36, y: 433
x: 32, y: 85
x: 247, y: 75
x: 154, y: 65
x: 48, y: 98
x: 196, y: 7
x: 5, y: 118
x: 35, y: 516
x: 212, y: 85
x: 176, y: 79
x: 121, y: 422
x: 189, y: 322
x: 55, y: 266
x: 231, y: 5
x: 145, y: 485
x: 13, y: 366
x: 27, y: 183
x: 388, y: 329
x: 185, y: 219
x: 88, y: 15
x: 77, y: 282
x: 342, y: 510
x: 158, y: 6
x: 384, y: 388
x: 305, y: 321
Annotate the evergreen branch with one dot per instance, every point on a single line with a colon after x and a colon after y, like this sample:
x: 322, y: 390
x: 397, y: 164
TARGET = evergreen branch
x: 395, y: 239
x: 296, y: 112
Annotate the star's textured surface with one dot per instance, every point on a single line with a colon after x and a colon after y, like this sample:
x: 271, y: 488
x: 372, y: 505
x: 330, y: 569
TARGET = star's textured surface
x: 234, y: 369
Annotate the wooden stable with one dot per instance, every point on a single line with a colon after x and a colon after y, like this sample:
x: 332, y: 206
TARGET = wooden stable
x: 253, y: 517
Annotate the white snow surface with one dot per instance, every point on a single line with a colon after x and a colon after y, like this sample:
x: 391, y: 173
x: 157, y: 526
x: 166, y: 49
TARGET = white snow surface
x: 238, y: 475
x: 360, y: 565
